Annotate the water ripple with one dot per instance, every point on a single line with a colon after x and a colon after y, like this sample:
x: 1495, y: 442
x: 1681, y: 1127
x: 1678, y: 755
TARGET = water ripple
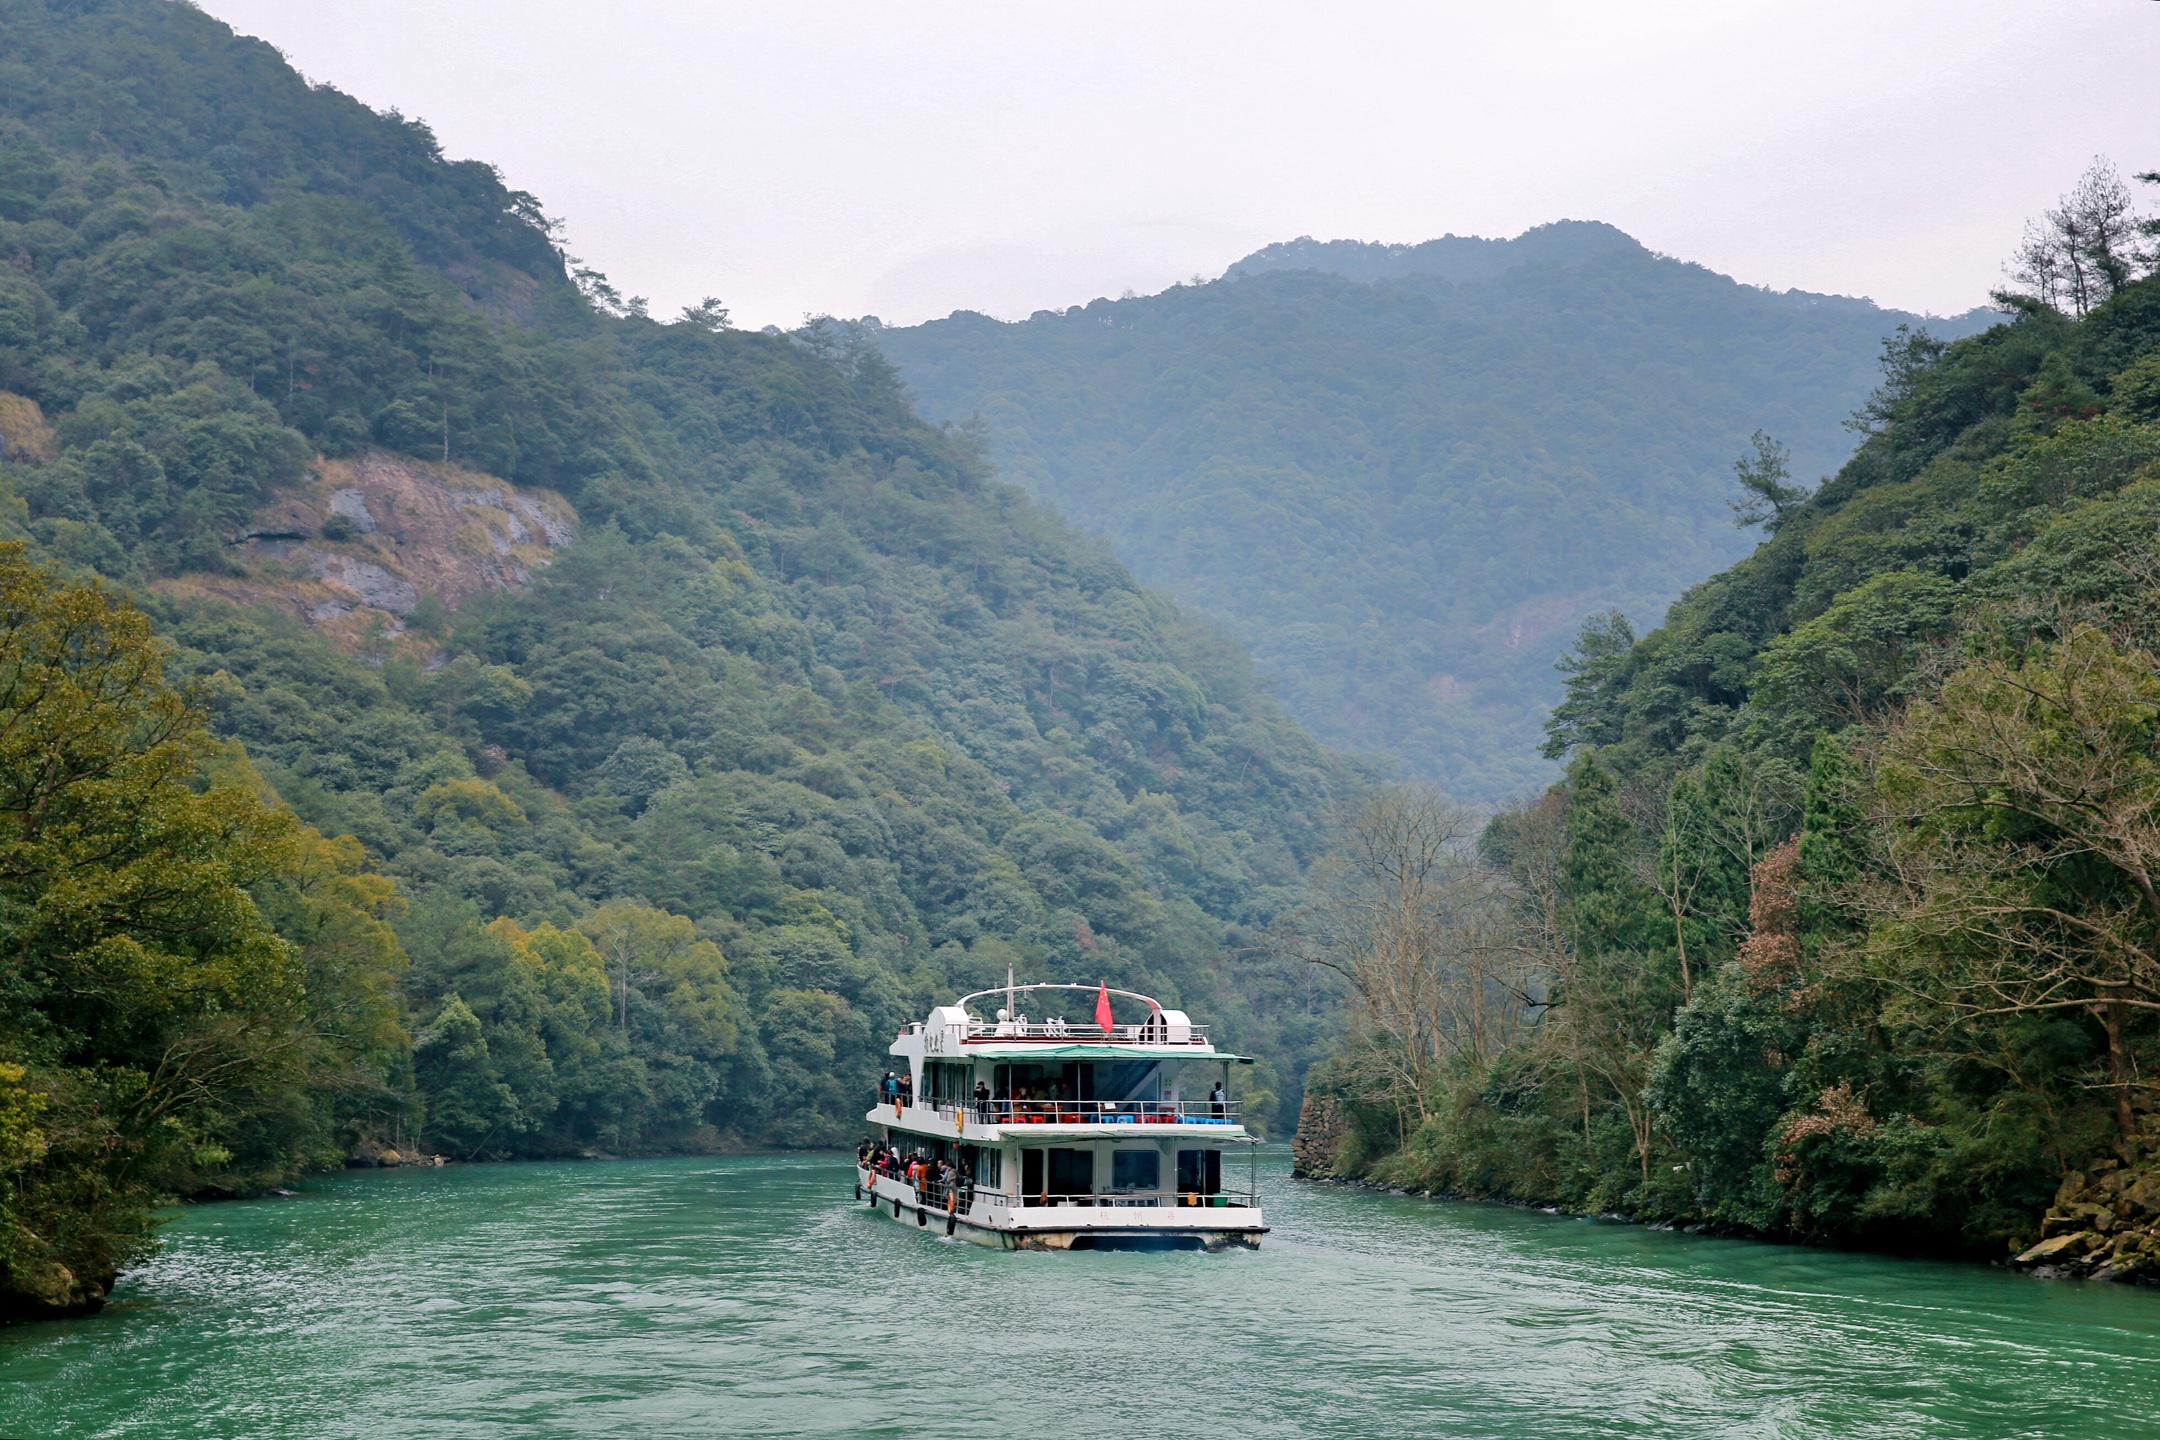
x: 747, y: 1296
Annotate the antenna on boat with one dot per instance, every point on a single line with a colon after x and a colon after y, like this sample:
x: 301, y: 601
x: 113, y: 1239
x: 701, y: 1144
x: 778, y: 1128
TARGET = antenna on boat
x: 1010, y: 1008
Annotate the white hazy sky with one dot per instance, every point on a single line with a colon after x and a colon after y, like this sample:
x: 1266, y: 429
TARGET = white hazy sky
x: 906, y: 160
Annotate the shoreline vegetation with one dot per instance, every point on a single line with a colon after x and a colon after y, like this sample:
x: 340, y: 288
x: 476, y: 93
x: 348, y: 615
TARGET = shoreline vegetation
x: 2073, y: 1246
x: 1844, y: 925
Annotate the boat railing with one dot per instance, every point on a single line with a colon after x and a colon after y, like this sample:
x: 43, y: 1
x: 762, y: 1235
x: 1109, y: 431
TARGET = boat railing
x: 964, y: 1196
x: 1153, y: 1032
x: 1149, y: 1199
x: 936, y: 1195
x: 1076, y: 1112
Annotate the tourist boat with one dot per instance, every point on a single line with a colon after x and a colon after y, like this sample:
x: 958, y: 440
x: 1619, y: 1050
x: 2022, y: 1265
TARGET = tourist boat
x: 1065, y: 1136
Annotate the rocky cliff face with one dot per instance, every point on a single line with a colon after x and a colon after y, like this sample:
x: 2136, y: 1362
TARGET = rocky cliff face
x: 2105, y: 1223
x: 1321, y: 1127
x: 24, y: 435
x: 359, y: 548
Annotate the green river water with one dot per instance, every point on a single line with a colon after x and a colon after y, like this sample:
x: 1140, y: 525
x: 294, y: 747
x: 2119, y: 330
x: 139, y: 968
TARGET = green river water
x: 747, y: 1296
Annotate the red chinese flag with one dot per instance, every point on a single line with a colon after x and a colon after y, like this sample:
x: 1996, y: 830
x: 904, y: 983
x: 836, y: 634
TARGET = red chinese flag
x: 1102, y: 1010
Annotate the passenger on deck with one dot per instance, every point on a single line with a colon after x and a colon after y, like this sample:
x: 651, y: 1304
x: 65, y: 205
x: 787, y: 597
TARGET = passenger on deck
x: 1218, y: 1101
x: 982, y: 1102
x: 889, y: 1091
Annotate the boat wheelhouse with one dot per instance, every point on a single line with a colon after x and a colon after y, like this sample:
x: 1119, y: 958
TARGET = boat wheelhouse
x: 1044, y: 1134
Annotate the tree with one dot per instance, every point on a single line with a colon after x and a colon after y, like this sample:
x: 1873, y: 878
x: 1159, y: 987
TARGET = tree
x: 141, y: 989
x: 1766, y: 497
x: 2081, y: 252
x: 652, y: 955
x: 1596, y: 673
x: 707, y: 314
x: 2148, y: 257
x: 1909, y: 356
x: 1418, y: 926
x: 1719, y: 1082
x: 1719, y: 819
x: 343, y: 1089
x: 2020, y: 872
x: 469, y: 1106
x: 1844, y: 666
x: 1614, y: 998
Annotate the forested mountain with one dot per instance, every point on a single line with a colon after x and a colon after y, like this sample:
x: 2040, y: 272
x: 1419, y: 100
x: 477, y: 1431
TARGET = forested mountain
x: 1404, y: 474
x: 671, y: 712
x: 1842, y: 925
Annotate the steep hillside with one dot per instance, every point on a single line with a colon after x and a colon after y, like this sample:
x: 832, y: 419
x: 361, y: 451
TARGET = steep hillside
x: 1842, y: 926
x: 710, y: 712
x: 1404, y: 474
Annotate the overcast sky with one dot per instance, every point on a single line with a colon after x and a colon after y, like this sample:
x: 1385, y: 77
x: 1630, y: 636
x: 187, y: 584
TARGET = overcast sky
x: 907, y: 160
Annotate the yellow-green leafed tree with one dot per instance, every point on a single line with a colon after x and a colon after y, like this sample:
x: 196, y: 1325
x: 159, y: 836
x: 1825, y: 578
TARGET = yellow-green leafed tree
x: 652, y: 956
x: 141, y: 986
x: 569, y: 971
x: 344, y: 1093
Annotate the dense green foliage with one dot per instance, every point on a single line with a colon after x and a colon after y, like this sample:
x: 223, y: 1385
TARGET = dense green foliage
x: 815, y: 724
x: 1848, y: 895
x: 1404, y: 474
x: 191, y: 974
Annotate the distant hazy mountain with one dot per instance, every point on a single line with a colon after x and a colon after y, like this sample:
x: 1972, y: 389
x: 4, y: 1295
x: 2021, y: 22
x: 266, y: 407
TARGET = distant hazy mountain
x: 1451, y: 257
x: 1404, y: 474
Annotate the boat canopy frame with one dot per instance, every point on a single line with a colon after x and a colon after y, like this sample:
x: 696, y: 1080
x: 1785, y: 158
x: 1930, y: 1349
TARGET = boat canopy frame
x: 1010, y: 990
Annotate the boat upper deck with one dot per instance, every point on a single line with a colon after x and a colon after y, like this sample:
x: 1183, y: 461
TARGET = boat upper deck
x: 988, y: 1077
x: 955, y: 1030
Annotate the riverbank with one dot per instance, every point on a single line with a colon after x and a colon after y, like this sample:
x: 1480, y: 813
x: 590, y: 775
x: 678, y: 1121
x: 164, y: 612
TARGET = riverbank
x: 2104, y: 1223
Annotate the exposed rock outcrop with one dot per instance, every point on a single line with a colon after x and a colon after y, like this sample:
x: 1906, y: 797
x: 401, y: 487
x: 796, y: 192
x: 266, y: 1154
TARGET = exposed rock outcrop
x: 24, y: 435
x: 1321, y: 1127
x: 357, y: 549
x: 41, y: 1288
x: 2105, y: 1223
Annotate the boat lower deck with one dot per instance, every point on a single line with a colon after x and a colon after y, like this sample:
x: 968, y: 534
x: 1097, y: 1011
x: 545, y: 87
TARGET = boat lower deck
x: 1211, y: 1222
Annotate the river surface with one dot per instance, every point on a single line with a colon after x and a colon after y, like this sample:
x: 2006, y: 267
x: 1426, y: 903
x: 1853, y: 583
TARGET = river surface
x: 748, y: 1296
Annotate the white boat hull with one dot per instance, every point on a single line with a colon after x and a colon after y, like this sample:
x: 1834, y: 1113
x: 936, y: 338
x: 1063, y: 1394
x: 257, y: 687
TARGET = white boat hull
x: 994, y: 1222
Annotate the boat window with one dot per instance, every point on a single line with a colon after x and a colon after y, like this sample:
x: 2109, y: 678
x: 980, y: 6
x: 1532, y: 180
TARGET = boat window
x: 1073, y: 1080
x: 1135, y: 1169
x: 1128, y: 1080
x: 985, y: 1167
x: 1199, y: 1172
x: 1072, y: 1172
x: 948, y: 1081
x: 1031, y: 1172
